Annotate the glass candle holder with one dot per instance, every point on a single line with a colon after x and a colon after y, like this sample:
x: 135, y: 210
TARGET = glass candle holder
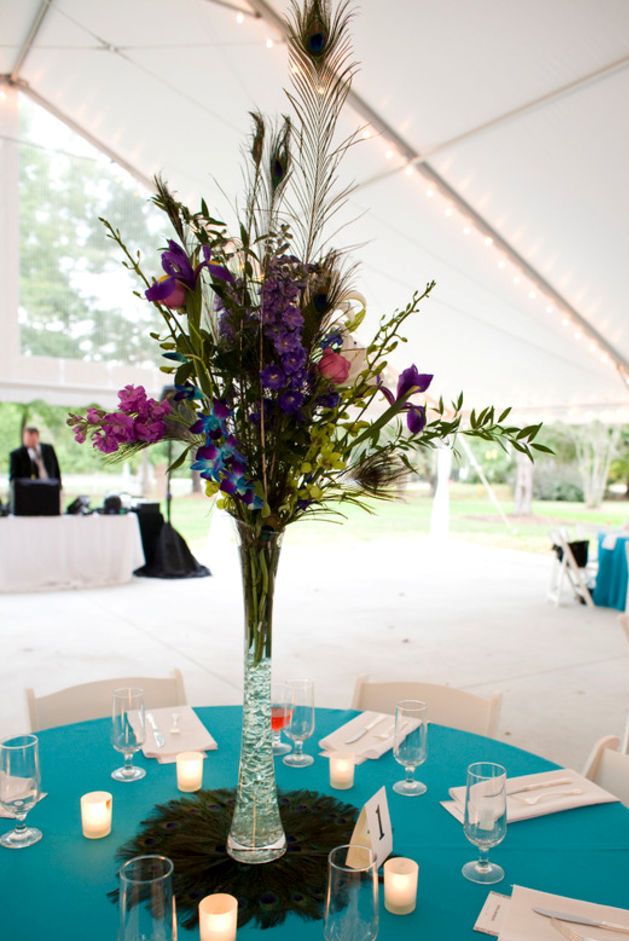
x: 218, y: 917
x: 189, y: 771
x: 96, y: 812
x: 400, y: 885
x: 342, y: 771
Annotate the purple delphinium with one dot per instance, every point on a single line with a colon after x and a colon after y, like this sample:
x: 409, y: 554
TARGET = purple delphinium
x: 272, y: 377
x: 290, y: 402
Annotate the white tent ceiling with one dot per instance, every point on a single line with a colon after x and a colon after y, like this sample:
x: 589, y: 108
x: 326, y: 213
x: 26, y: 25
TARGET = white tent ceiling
x: 521, y: 108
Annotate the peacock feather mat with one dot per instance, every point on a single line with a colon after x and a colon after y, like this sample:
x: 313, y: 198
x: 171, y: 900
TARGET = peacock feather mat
x: 192, y: 832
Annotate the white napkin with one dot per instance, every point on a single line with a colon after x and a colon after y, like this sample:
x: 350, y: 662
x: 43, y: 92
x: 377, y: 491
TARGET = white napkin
x: 609, y: 541
x: 5, y: 814
x: 192, y: 735
x: 370, y: 745
x: 554, y: 799
x: 521, y: 923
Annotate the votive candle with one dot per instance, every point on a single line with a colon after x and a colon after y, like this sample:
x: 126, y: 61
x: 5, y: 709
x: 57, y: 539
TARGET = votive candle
x: 189, y: 771
x: 96, y: 814
x: 342, y: 772
x: 400, y: 885
x: 218, y: 917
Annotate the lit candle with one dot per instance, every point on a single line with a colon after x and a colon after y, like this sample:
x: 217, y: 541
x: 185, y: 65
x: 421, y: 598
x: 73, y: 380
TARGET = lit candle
x: 342, y: 772
x: 96, y: 814
x: 189, y: 771
x: 218, y: 917
x: 400, y: 885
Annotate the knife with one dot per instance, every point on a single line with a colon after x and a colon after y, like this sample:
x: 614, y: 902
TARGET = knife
x: 538, y: 787
x: 579, y: 920
x: 160, y: 741
x: 368, y: 728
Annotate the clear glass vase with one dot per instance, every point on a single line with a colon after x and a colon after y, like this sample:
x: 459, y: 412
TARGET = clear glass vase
x: 256, y: 834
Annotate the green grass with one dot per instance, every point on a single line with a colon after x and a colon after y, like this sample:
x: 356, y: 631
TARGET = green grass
x: 472, y: 516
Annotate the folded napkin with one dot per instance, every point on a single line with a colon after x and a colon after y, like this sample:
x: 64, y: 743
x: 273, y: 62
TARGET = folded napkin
x: 6, y: 815
x: 371, y: 744
x: 192, y: 735
x: 554, y: 799
x: 609, y: 541
x: 521, y: 923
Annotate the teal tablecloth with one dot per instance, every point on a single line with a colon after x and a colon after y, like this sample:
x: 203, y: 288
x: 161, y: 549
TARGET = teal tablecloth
x: 612, y: 577
x: 56, y: 890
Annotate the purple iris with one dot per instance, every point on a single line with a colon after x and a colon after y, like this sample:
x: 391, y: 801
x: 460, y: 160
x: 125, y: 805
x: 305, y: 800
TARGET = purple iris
x: 272, y: 377
x: 412, y: 379
x: 332, y: 339
x: 416, y: 419
x: 181, y: 274
x: 290, y: 402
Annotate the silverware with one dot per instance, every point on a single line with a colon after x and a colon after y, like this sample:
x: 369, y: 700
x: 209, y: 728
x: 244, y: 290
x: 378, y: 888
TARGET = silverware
x: 581, y: 920
x: 368, y: 728
x: 567, y: 932
x: 174, y: 729
x: 531, y: 801
x: 538, y: 787
x: 160, y: 741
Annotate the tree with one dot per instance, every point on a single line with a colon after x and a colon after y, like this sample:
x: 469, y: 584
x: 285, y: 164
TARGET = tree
x: 596, y: 446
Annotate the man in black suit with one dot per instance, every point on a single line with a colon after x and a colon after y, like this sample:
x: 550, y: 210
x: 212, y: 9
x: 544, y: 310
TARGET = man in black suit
x: 34, y: 460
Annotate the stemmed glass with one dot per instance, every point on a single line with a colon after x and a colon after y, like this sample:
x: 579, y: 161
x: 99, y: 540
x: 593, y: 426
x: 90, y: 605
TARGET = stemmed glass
x: 127, y: 731
x: 410, y: 745
x: 302, y: 722
x: 485, y: 823
x: 281, y: 712
x: 19, y: 787
x: 351, y: 906
x: 147, y: 903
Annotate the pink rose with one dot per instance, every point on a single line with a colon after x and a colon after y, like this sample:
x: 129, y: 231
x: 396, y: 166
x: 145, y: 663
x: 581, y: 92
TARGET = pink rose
x: 334, y: 367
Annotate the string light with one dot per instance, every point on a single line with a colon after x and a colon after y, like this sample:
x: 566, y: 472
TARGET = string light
x: 389, y: 154
x: 366, y: 134
x: 532, y: 295
x: 240, y: 18
x: 565, y: 321
x: 549, y: 309
x: 3, y: 95
x: 467, y: 230
x: 489, y: 240
x: 409, y: 169
x: 269, y: 43
x: 516, y: 279
x: 578, y: 335
x: 449, y: 211
x: 502, y: 263
x: 430, y: 192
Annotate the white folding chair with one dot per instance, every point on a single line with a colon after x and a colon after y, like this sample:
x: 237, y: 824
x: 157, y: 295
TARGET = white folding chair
x: 93, y: 700
x: 623, y: 620
x: 567, y: 568
x: 609, y: 768
x: 446, y: 706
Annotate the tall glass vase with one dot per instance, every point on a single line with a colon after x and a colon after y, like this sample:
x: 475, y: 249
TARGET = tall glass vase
x: 256, y: 834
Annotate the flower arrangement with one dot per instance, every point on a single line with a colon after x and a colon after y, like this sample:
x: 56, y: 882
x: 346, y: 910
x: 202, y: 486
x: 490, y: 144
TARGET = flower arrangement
x: 278, y: 404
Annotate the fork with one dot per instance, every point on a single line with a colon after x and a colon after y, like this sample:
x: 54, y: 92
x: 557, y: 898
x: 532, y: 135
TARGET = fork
x: 531, y: 801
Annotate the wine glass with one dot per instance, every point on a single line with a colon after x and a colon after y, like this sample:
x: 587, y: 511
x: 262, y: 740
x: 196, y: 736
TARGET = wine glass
x: 485, y: 822
x: 127, y: 731
x: 410, y: 746
x: 351, y: 906
x: 19, y: 787
x: 302, y: 722
x: 147, y: 903
x: 281, y: 712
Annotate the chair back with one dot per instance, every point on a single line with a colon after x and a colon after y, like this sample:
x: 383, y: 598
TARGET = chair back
x: 446, y: 706
x: 613, y: 774
x: 94, y: 700
x: 623, y: 619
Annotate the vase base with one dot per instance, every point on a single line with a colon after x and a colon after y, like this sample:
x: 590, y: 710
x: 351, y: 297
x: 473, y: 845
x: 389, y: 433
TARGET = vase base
x: 255, y: 855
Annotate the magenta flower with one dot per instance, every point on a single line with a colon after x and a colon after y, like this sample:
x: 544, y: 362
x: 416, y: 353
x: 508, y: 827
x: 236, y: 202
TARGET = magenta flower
x: 149, y: 431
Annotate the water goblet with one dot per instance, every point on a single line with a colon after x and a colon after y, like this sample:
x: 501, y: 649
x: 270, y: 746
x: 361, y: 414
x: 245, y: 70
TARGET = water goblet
x: 281, y: 712
x: 351, y: 907
x: 302, y: 722
x: 485, y: 823
x: 127, y: 731
x: 410, y: 746
x: 147, y: 902
x: 19, y: 787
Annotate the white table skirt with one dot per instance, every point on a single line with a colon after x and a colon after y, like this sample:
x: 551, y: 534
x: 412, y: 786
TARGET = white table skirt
x: 43, y: 553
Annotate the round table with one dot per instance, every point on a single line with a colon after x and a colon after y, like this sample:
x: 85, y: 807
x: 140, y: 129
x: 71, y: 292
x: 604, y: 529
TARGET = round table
x: 612, y: 577
x: 57, y: 889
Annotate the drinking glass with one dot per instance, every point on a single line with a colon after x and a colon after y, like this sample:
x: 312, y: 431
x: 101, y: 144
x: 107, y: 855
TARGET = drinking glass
x: 147, y: 903
x: 351, y: 906
x: 485, y: 822
x: 19, y: 787
x: 127, y: 731
x: 410, y: 745
x: 302, y: 722
x: 281, y: 712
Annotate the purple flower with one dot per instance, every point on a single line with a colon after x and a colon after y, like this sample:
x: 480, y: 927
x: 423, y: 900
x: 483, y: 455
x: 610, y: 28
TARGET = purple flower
x: 416, y: 419
x: 411, y: 381
x: 285, y: 341
x: 79, y: 435
x: 290, y: 402
x: 332, y: 339
x: 292, y: 318
x: 94, y: 415
x: 272, y: 378
x: 119, y: 427
x: 105, y: 443
x: 132, y: 399
x: 149, y: 431
x: 329, y: 400
x: 176, y: 263
x: 187, y: 392
x: 294, y: 361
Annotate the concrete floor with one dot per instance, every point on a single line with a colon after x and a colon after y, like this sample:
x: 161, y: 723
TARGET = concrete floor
x: 470, y: 616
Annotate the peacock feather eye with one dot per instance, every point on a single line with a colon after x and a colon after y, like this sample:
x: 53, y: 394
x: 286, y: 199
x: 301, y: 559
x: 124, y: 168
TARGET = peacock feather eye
x: 316, y: 43
x: 278, y: 171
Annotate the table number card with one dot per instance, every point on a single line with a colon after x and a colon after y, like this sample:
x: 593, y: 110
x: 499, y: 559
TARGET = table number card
x: 492, y: 914
x: 373, y: 828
